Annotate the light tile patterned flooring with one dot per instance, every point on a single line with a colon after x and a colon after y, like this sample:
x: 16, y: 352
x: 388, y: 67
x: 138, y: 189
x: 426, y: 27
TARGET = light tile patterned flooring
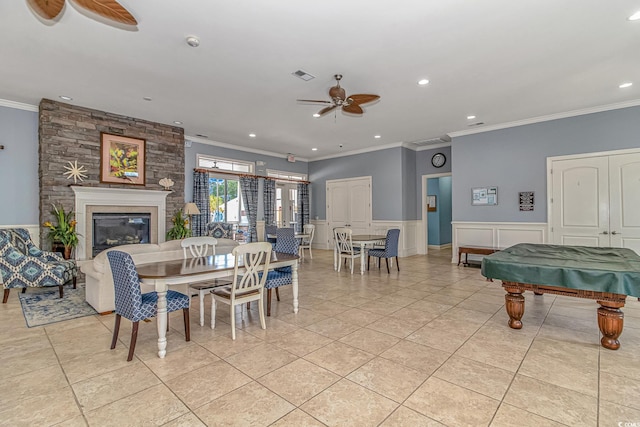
x: 428, y: 346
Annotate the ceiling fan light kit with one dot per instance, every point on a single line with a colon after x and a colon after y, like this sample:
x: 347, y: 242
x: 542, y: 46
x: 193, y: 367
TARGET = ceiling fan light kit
x: 339, y: 99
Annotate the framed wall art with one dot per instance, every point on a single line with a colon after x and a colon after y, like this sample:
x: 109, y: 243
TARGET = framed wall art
x: 121, y: 159
x: 431, y: 204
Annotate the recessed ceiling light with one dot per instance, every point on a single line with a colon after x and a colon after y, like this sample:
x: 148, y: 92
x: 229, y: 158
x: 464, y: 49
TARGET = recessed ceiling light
x: 178, y: 122
x: 66, y: 98
x: 316, y: 115
x: 624, y: 85
x: 252, y: 135
x: 147, y: 98
x: 635, y: 16
x: 423, y: 82
x: 377, y: 136
x: 314, y: 149
x: 193, y: 41
x: 471, y: 117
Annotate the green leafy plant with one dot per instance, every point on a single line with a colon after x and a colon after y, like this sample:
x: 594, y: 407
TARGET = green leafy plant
x: 64, y: 229
x: 180, y: 228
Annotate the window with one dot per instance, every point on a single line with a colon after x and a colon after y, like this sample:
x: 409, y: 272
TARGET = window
x: 225, y: 198
x: 290, y: 176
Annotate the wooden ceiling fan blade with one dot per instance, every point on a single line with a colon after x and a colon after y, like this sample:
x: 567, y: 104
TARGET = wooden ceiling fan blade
x: 363, y: 98
x: 327, y: 109
x: 353, y: 109
x: 314, y: 100
x: 109, y: 9
x: 48, y: 9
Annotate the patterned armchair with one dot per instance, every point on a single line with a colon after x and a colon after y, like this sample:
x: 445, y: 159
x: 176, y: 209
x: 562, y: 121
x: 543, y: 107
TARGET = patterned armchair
x: 221, y: 230
x: 23, y: 265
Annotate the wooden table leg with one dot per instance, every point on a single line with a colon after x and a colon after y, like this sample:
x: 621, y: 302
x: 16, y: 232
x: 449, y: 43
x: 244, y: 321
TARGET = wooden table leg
x: 514, y: 303
x: 610, y: 322
x: 459, y: 256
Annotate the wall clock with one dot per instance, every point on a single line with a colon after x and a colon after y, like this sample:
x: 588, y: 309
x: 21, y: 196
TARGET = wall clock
x: 438, y: 160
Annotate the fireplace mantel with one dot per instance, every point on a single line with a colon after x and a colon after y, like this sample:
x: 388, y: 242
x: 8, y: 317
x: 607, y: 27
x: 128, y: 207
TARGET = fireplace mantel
x: 88, y: 198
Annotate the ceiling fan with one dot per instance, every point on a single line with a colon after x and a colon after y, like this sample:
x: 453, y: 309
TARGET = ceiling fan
x: 349, y: 104
x: 110, y: 9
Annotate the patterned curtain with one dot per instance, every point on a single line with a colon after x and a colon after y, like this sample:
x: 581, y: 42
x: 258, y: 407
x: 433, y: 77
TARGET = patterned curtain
x: 303, y: 206
x: 249, y: 187
x: 269, y: 202
x: 201, y: 199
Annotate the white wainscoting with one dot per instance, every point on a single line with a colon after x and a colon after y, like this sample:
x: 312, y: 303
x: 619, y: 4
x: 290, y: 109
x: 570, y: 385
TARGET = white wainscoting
x: 33, y: 229
x: 495, y: 234
x: 407, y: 245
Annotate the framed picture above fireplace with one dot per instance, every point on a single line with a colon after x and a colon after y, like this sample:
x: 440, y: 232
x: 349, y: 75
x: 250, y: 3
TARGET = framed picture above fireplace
x: 121, y: 159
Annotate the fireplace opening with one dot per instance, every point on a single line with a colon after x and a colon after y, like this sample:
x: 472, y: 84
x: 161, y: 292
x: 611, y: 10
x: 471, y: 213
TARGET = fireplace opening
x: 115, y: 229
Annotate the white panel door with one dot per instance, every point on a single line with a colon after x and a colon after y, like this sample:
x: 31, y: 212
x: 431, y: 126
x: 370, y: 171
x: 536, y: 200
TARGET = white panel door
x: 580, y: 202
x: 338, y: 204
x: 624, y: 184
x: 349, y: 205
x: 360, y: 206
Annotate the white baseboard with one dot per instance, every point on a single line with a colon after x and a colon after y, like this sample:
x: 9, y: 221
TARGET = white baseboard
x: 495, y: 234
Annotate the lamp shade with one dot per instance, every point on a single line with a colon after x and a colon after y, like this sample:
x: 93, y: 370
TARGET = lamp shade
x: 191, y: 209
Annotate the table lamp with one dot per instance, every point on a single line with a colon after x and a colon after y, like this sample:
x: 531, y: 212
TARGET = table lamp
x: 191, y: 209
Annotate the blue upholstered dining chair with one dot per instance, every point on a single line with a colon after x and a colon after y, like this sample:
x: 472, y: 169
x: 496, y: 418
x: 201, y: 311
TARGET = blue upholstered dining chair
x: 270, y: 229
x: 286, y: 242
x: 390, y: 249
x: 134, y: 305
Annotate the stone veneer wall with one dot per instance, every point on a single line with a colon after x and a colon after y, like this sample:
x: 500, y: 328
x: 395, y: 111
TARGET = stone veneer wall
x: 69, y: 133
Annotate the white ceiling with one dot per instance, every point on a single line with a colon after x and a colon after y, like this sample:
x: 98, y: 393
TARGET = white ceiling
x: 501, y: 60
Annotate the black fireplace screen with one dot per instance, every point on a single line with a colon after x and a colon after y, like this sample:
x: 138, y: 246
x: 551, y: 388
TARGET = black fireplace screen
x: 114, y: 229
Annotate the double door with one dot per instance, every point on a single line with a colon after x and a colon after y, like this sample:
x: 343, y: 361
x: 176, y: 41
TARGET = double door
x: 349, y: 205
x: 595, y: 201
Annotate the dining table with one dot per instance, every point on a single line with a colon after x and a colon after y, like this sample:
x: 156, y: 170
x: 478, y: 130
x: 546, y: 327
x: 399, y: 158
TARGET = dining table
x: 362, y: 241
x: 164, y: 274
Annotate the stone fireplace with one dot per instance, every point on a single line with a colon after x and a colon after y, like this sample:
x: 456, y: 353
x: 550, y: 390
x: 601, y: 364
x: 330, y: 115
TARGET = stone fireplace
x: 122, y: 201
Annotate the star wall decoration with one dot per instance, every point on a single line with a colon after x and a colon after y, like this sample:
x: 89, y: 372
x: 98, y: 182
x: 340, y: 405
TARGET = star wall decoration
x: 76, y: 172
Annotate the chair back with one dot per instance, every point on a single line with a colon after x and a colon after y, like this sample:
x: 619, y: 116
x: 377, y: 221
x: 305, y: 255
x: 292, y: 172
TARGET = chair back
x: 199, y: 246
x: 127, y: 285
x: 286, y: 241
x: 343, y: 240
x: 309, y: 229
x: 255, y: 258
x: 391, y: 242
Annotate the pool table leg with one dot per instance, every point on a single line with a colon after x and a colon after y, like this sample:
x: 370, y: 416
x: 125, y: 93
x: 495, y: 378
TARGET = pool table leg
x: 610, y: 321
x: 514, y: 303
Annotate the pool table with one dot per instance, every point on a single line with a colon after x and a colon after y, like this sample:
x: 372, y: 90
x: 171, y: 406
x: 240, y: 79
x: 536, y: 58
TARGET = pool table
x: 607, y: 275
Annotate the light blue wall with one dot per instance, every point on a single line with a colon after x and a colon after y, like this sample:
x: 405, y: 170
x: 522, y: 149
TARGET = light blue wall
x: 410, y: 202
x: 514, y: 160
x: 386, y: 170
x: 444, y: 209
x: 19, y: 167
x: 439, y: 222
x: 424, y: 167
x: 433, y: 218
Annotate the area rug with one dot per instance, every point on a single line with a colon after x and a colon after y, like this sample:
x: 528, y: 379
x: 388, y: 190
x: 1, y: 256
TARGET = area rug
x: 42, y: 306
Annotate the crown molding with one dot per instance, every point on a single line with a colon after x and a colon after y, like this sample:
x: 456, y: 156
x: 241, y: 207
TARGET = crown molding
x: 18, y: 105
x: 430, y: 147
x: 239, y: 147
x: 564, y: 115
x: 362, y: 150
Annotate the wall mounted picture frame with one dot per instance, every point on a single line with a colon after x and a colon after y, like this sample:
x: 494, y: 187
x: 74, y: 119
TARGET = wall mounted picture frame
x: 431, y: 204
x: 484, y: 196
x: 122, y: 159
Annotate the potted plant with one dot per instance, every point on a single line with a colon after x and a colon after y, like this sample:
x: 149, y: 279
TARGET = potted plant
x: 64, y: 229
x: 180, y: 228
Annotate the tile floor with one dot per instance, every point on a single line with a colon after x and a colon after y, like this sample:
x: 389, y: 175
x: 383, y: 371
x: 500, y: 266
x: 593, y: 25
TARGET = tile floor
x: 428, y: 346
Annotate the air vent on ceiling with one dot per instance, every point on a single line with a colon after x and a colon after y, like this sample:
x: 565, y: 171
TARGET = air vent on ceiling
x: 476, y: 124
x: 303, y: 75
x: 445, y: 139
